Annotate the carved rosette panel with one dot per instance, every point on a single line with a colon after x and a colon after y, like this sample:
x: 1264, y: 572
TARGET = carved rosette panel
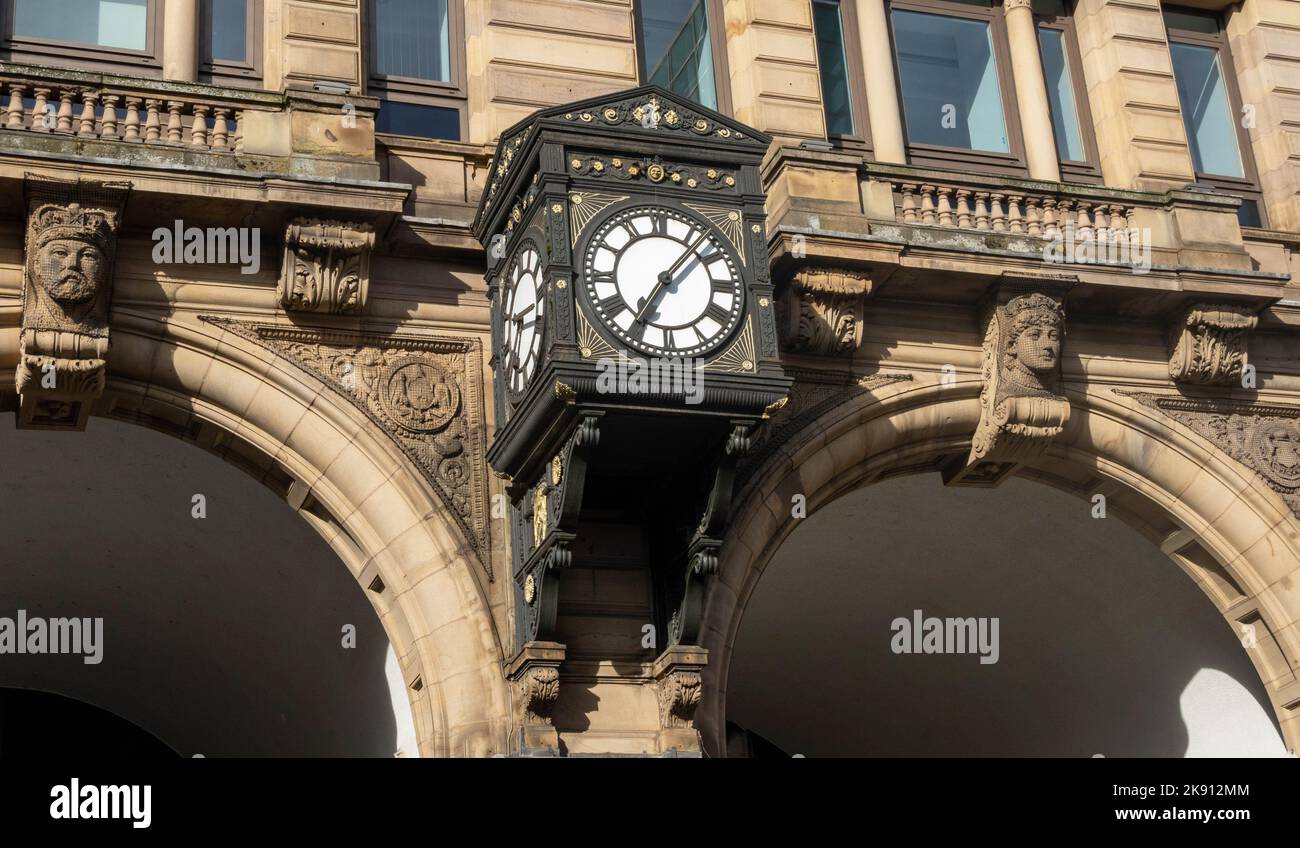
x: 1021, y: 408
x: 1263, y: 437
x: 71, y: 244
x: 326, y: 267
x: 680, y: 692
x: 424, y: 392
x: 1207, y: 344
x: 820, y: 310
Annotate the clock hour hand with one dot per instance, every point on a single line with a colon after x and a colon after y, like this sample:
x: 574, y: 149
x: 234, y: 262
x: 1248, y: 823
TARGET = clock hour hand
x: 666, y: 277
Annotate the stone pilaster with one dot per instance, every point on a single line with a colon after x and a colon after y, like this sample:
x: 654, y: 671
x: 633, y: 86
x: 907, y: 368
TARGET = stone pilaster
x: 534, y: 675
x: 1031, y: 92
x: 883, y: 108
x: 677, y: 675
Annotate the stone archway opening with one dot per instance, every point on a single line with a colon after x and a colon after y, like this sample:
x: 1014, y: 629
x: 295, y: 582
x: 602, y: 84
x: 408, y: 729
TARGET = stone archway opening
x: 1096, y: 642
x: 230, y: 628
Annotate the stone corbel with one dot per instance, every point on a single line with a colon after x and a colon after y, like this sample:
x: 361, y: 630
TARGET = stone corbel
x: 71, y: 243
x: 534, y: 675
x: 679, y: 683
x: 326, y: 267
x: 820, y: 311
x: 1021, y: 405
x: 1207, y: 344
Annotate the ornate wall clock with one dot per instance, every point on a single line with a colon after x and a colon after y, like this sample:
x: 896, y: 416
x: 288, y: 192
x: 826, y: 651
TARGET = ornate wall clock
x: 523, y: 315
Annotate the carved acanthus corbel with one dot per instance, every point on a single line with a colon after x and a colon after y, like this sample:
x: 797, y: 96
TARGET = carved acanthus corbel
x: 680, y: 685
x: 326, y: 267
x: 535, y: 677
x: 71, y: 244
x: 1021, y: 407
x: 820, y: 311
x: 1207, y: 344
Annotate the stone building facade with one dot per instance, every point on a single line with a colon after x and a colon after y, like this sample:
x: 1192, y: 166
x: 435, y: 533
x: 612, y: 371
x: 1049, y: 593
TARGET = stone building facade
x: 269, y: 240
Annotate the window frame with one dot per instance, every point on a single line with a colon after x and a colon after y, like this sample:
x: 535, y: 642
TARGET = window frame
x: 40, y: 51
x: 224, y: 71
x: 860, y: 139
x: 450, y: 94
x: 1247, y: 186
x: 1087, y: 170
x: 921, y: 154
x: 717, y: 41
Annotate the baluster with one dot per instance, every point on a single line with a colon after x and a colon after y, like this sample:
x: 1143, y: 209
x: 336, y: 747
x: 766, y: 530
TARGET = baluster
x: 220, y: 129
x: 199, y: 129
x: 1050, y: 228
x: 1033, y: 217
x: 152, y: 124
x: 175, y: 127
x: 927, y: 205
x: 963, y: 208
x: 909, y: 202
x: 132, y: 132
x: 109, y: 125
x: 998, y: 215
x: 1084, y: 227
x: 86, y: 125
x: 1065, y: 219
x: 945, y: 206
x: 1130, y: 222
x: 40, y: 108
x: 65, y: 110
x: 239, y: 131
x: 1015, y: 221
x: 14, y: 114
x: 981, y: 210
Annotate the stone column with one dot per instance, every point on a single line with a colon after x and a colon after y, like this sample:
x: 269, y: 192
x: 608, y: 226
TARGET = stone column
x: 882, y: 88
x: 1031, y: 92
x: 180, y: 48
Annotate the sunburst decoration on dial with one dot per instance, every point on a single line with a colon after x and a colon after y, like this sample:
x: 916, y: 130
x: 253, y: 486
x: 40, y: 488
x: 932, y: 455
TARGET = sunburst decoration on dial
x: 664, y: 282
x: 523, y: 316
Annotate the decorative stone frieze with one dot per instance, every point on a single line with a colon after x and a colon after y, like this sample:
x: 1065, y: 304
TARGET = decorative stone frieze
x: 680, y: 688
x: 1021, y: 408
x: 1263, y: 437
x: 326, y: 267
x: 534, y: 675
x: 424, y: 392
x: 820, y: 311
x: 67, y: 285
x: 1207, y: 343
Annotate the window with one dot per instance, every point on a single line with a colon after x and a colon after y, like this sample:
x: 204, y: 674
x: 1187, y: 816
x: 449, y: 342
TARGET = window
x: 86, y: 33
x: 840, y: 65
x: 1076, y: 145
x: 680, y: 48
x: 1210, y: 103
x: 417, y: 61
x: 231, y: 35
x: 950, y: 56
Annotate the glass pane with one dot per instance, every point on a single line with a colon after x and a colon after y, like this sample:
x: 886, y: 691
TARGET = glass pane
x: 107, y: 23
x: 1052, y: 8
x: 950, y: 82
x: 678, y: 51
x: 412, y: 39
x: 419, y: 120
x: 1060, y: 95
x: 1192, y: 21
x: 835, y: 76
x: 228, y: 22
x: 1203, y: 95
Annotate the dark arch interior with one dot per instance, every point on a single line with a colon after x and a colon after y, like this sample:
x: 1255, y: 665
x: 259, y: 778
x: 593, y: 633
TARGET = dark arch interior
x: 45, y: 725
x: 1106, y: 646
x: 222, y: 636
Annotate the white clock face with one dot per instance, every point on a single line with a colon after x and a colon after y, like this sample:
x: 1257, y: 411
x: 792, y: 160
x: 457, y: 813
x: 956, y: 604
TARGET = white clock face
x: 522, y: 319
x: 663, y: 282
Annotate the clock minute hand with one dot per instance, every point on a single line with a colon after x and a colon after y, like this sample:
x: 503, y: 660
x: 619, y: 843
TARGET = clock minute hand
x: 666, y: 277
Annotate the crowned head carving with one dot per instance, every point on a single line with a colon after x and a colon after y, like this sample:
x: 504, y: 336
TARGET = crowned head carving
x: 70, y: 252
x: 1033, y: 340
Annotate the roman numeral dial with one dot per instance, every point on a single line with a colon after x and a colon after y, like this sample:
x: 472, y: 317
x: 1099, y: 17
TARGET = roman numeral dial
x: 663, y: 281
x: 522, y: 319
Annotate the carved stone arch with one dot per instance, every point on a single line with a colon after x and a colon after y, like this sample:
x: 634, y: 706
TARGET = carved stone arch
x: 1228, y: 531
x: 356, y: 486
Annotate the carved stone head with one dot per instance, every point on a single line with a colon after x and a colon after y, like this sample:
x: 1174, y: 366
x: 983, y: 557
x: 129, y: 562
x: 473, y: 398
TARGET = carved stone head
x: 71, y: 246
x: 1033, y: 340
